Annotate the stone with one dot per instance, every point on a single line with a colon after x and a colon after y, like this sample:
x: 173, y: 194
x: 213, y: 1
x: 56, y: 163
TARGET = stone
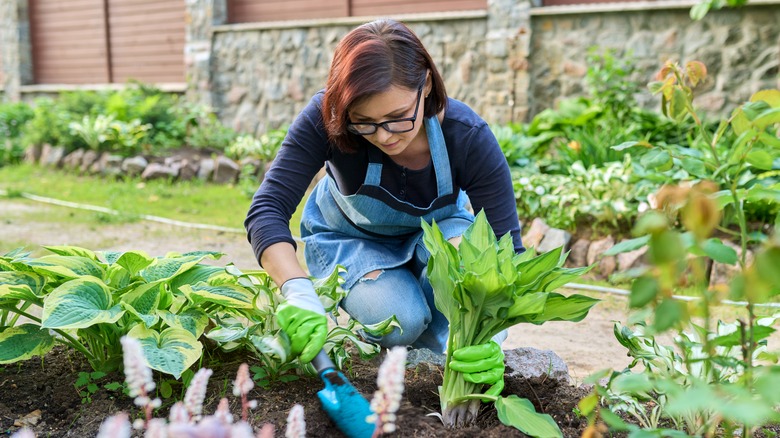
x: 134, y: 166
x: 630, y: 259
x: 33, y: 153
x: 535, y: 365
x: 158, y: 171
x: 533, y: 237
x: 188, y: 170
x: 606, y: 265
x: 111, y: 164
x: 73, y: 159
x: 205, y: 169
x: 416, y: 356
x: 578, y: 254
x: 90, y: 156
x: 554, y: 238
x: 52, y: 155
x: 225, y: 170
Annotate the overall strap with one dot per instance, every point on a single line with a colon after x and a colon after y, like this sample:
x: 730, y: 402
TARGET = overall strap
x: 374, y: 171
x: 441, y: 160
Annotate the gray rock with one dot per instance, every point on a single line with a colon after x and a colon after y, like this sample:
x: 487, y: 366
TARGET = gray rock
x: 554, y: 238
x: 33, y: 153
x: 188, y: 170
x: 417, y: 356
x: 111, y: 164
x: 134, y: 166
x: 578, y: 256
x: 88, y: 159
x: 631, y: 259
x: 52, y: 155
x: 205, y: 169
x: 158, y: 171
x: 536, y: 365
x: 533, y: 237
x: 225, y: 170
x: 73, y: 159
x: 606, y: 265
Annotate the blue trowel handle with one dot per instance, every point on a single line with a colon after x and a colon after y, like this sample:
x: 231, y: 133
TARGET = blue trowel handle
x: 322, y: 362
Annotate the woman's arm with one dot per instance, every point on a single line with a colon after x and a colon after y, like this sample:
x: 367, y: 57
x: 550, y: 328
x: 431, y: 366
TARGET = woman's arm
x: 281, y: 262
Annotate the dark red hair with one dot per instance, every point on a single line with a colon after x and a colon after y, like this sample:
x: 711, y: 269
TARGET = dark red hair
x: 369, y: 60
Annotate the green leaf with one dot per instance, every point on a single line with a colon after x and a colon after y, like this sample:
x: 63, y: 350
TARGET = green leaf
x: 643, y: 291
x: 134, y: 261
x: 72, y: 251
x: 528, y: 304
x: 171, y: 351
x: 716, y: 250
x: 562, y: 308
x: 23, y: 342
x: 193, y: 320
x: 224, y: 335
x: 168, y: 268
x: 760, y: 159
x: 272, y: 346
x: 531, y: 270
x: 227, y: 295
x: 80, y: 303
x: 66, y: 266
x: 766, y: 263
x: 520, y: 413
x: 657, y: 159
x: 766, y: 119
x: 195, y: 275
x: 166, y: 391
x: 628, y: 245
x: 668, y: 314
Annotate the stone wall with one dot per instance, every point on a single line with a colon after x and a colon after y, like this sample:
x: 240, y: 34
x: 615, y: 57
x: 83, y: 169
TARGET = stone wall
x: 741, y: 48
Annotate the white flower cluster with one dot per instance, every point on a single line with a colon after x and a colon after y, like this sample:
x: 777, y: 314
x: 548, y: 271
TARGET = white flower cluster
x: 296, y: 425
x: 387, y: 399
x: 137, y: 375
x: 196, y: 393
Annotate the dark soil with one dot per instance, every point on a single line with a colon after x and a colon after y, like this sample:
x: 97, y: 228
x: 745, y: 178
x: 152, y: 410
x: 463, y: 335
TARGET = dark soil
x: 48, y: 385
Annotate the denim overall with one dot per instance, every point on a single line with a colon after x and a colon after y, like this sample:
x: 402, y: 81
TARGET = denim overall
x: 372, y: 230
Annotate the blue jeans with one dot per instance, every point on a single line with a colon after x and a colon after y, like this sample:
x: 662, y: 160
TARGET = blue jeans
x: 406, y: 293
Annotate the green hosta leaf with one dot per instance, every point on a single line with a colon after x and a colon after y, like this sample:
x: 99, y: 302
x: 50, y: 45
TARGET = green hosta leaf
x: 23, y: 342
x: 657, y: 159
x: 716, y: 250
x: 232, y: 296
x: 193, y: 320
x: 145, y: 298
x: 80, y: 303
x: 520, y: 413
x: 195, y: 275
x: 734, y: 338
x: 168, y: 268
x: 147, y: 319
x: 528, y: 304
x: 560, y: 276
x: 628, y: 245
x: 531, y: 270
x: 382, y: 327
x: 73, y: 251
x: 480, y: 234
x: 134, y: 261
x: 171, y: 351
x: 66, y: 266
x: 564, y: 308
x: 340, y: 335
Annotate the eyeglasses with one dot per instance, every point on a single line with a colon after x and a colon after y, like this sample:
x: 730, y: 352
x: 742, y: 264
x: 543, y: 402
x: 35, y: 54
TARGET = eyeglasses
x: 393, y: 126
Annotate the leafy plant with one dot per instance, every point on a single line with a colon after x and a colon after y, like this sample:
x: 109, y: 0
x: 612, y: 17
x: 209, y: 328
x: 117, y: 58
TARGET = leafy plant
x: 88, y: 300
x: 483, y: 287
x: 88, y: 383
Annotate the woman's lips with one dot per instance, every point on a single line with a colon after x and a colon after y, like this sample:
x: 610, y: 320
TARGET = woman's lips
x: 391, y: 145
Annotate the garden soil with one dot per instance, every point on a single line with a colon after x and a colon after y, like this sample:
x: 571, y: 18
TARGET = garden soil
x: 40, y: 392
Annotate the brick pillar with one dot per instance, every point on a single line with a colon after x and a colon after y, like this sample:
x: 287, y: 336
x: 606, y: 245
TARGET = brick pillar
x: 15, y: 43
x: 201, y: 17
x: 507, y: 47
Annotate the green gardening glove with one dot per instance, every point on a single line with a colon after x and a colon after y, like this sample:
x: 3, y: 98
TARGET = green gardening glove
x: 302, y: 317
x: 481, y: 364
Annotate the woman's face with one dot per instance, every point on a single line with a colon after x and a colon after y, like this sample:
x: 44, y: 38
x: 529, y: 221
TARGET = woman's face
x: 393, y: 108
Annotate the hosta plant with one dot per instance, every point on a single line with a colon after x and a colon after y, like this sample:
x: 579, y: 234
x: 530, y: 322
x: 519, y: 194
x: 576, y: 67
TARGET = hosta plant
x: 88, y: 300
x: 482, y: 288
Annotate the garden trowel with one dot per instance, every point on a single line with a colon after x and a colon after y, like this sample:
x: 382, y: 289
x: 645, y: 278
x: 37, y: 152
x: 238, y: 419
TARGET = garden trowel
x: 343, y: 403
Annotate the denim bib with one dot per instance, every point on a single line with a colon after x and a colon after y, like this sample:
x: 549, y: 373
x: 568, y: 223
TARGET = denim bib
x: 372, y: 229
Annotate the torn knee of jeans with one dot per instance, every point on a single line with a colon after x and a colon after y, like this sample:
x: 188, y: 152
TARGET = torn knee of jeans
x: 371, y: 277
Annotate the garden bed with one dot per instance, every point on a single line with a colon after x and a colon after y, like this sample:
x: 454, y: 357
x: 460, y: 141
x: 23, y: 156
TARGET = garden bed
x: 47, y: 385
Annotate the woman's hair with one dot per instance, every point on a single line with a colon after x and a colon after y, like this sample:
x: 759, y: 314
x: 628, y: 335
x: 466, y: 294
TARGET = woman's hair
x: 369, y: 60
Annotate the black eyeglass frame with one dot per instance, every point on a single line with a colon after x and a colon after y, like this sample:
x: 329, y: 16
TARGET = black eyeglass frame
x: 384, y: 125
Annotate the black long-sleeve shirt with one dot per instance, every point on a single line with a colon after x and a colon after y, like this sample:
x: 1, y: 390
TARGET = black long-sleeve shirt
x: 477, y: 164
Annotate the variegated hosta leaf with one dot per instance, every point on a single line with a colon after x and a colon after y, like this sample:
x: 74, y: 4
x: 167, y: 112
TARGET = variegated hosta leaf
x: 23, y: 342
x: 167, y: 268
x: 134, y: 261
x: 66, y: 266
x: 564, y: 308
x: 338, y: 336
x: 192, y: 320
x: 224, y: 335
x: 270, y: 345
x: 145, y: 298
x: 171, y: 351
x: 148, y: 320
x: 72, y: 251
x: 382, y: 327
x: 195, y: 275
x: 226, y: 295
x: 80, y: 303
x: 32, y: 281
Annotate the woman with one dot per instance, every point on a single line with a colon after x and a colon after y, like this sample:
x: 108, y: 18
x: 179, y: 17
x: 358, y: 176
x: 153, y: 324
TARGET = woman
x: 397, y: 151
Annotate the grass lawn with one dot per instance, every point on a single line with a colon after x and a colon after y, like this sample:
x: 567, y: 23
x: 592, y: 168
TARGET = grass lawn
x: 193, y: 201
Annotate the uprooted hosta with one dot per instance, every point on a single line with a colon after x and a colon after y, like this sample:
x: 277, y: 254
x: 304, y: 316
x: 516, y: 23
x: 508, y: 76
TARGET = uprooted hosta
x: 88, y: 300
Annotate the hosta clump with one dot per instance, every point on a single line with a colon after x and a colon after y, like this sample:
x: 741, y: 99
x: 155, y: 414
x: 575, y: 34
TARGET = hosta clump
x: 483, y: 288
